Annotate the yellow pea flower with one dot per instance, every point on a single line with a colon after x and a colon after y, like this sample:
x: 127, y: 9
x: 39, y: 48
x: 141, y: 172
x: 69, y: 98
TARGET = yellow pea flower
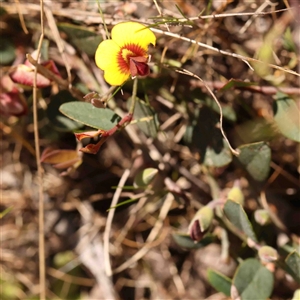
x: 126, y: 53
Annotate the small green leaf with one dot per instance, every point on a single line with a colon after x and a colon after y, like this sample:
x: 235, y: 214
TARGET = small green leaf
x: 86, y: 113
x: 219, y: 281
x: 252, y: 281
x: 218, y: 159
x: 256, y: 159
x: 237, y: 83
x: 185, y: 241
x: 83, y: 39
x: 288, y: 41
x: 57, y: 119
x: 145, y: 116
x: 144, y: 177
x: 287, y: 116
x: 238, y: 217
x: 5, y: 212
x: 293, y: 265
x: 7, y: 51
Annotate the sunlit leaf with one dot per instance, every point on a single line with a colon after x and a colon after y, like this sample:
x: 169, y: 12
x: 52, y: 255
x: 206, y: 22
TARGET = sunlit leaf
x: 287, y: 116
x: 238, y: 217
x: 252, y: 281
x: 86, y: 113
x: 219, y: 281
x: 256, y: 159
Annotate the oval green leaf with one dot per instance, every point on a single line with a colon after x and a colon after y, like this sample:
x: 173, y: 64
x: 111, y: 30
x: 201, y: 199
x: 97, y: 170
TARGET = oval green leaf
x: 252, y: 281
x: 287, y: 116
x: 238, y: 217
x: 256, y: 159
x: 86, y: 113
x: 57, y: 119
x: 219, y: 281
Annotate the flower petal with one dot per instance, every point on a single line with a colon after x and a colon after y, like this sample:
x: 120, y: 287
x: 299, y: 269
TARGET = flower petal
x: 106, y: 59
x: 133, y: 33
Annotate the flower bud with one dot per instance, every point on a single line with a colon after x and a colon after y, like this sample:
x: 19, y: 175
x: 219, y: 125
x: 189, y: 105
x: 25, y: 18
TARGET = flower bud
x: 262, y: 217
x: 267, y: 254
x: 235, y: 194
x: 201, y: 223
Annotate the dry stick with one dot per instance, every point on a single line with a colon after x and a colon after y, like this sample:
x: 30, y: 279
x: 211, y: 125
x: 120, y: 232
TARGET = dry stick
x: 243, y: 58
x: 153, y: 234
x: 186, y: 72
x: 58, y: 40
x: 23, y: 25
x: 267, y: 90
x: 42, y: 275
x: 216, y: 16
x: 110, y: 216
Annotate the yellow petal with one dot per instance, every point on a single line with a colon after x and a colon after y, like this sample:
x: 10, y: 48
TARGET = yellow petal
x: 106, y: 59
x: 133, y: 33
x: 106, y: 54
x: 115, y: 77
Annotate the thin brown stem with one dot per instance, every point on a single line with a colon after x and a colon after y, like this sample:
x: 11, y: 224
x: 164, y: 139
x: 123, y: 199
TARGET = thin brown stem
x: 42, y: 268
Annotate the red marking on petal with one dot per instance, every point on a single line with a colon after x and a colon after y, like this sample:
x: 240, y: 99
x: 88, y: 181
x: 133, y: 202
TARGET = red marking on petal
x: 128, y: 52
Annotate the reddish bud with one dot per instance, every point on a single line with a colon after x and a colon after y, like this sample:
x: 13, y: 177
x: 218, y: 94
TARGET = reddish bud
x: 138, y: 66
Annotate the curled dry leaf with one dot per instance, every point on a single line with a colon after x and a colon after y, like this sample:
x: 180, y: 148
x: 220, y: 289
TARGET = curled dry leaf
x: 61, y: 159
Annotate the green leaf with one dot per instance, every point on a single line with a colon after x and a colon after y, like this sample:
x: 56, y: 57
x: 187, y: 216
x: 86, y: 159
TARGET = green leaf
x: 252, y: 281
x: 145, y: 116
x: 256, y: 159
x: 7, y: 51
x: 287, y: 116
x: 288, y: 41
x: 238, y: 217
x: 293, y: 265
x: 57, y: 119
x: 215, y: 159
x: 185, y: 241
x: 219, y: 281
x: 237, y: 83
x: 85, y: 40
x: 86, y: 113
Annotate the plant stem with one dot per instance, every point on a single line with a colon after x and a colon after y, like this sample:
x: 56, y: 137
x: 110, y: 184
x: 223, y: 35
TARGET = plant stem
x: 133, y: 98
